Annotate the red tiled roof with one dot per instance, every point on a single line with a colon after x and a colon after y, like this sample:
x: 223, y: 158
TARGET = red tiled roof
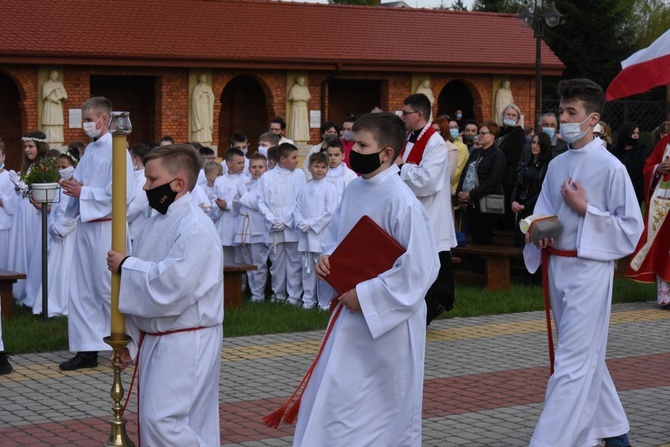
x: 222, y: 33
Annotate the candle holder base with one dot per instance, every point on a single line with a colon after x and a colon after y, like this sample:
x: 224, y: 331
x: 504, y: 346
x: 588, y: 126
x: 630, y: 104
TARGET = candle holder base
x: 118, y: 435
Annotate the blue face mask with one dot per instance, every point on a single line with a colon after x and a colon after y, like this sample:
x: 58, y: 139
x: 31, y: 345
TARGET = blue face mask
x: 509, y: 122
x: 459, y: 116
x: 454, y: 133
x: 549, y: 131
x: 2, y: 165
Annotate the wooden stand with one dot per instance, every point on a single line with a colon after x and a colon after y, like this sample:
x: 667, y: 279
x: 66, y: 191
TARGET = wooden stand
x: 8, y: 278
x: 497, y: 263
x: 232, y: 284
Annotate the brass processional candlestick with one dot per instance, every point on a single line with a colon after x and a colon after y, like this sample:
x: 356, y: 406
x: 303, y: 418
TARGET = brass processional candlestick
x: 119, y: 127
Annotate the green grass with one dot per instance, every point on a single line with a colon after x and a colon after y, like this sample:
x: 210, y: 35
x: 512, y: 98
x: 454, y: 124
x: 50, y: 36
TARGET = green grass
x: 27, y: 333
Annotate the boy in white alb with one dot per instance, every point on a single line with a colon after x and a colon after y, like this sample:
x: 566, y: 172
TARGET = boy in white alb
x: 366, y: 388
x: 251, y: 237
x: 171, y: 292
x: 316, y: 203
x: 277, y: 193
x: 592, y: 195
x: 240, y: 141
x: 91, y: 199
x: 212, y: 170
x: 206, y: 155
x: 225, y: 191
x: 339, y: 173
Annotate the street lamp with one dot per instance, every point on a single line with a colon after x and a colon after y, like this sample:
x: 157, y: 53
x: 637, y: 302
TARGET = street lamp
x: 533, y: 19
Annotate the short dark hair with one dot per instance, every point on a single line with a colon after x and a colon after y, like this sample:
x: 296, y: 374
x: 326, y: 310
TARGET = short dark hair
x: 337, y: 144
x: 272, y: 153
x: 280, y: 121
x: 140, y: 150
x: 230, y: 153
x: 471, y: 121
x: 195, y: 144
x: 176, y: 158
x: 318, y: 157
x: 205, y: 150
x: 238, y: 137
x: 585, y: 90
x: 492, y: 126
x: 420, y: 103
x: 350, y: 119
x: 327, y: 125
x: 167, y: 138
x: 387, y: 129
x: 284, y: 150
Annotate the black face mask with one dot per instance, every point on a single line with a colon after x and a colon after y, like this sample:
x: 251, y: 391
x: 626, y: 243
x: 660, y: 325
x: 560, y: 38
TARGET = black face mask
x: 364, y: 163
x: 161, y: 197
x: 468, y: 139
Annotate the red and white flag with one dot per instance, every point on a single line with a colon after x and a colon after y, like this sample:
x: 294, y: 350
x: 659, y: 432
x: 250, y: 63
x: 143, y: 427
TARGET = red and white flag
x: 648, y: 68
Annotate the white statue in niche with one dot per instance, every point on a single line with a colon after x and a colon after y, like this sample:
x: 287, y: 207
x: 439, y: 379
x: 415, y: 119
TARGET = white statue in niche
x: 424, y: 87
x: 503, y: 98
x: 299, y: 121
x: 202, y: 111
x: 53, y: 94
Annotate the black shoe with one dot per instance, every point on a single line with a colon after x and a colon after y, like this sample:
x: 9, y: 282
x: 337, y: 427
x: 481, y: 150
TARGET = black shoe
x: 81, y: 360
x: 5, y: 366
x: 434, y: 313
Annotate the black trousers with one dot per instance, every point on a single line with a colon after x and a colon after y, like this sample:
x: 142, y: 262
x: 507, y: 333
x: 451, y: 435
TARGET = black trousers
x: 442, y: 292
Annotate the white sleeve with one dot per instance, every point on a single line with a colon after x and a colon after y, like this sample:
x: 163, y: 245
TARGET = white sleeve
x: 426, y: 178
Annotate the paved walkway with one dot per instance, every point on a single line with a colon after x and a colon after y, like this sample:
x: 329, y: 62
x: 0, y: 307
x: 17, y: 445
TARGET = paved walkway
x: 484, y: 385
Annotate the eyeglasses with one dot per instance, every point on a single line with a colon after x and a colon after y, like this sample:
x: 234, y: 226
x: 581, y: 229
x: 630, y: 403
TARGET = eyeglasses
x: 481, y: 134
x: 405, y: 112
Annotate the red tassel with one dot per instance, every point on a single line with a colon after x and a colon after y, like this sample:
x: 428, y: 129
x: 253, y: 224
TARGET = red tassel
x: 273, y: 419
x: 292, y: 414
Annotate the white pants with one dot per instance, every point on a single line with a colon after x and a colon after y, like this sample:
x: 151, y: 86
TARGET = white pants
x: 228, y: 255
x: 256, y: 254
x: 309, y: 260
x: 285, y: 271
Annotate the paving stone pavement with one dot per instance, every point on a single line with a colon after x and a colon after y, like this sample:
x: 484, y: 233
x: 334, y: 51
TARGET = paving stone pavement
x: 484, y: 384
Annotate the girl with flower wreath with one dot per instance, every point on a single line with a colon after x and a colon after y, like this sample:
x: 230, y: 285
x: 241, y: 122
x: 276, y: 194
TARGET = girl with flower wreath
x: 25, y: 230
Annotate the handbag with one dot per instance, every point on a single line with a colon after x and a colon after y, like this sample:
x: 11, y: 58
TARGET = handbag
x: 492, y: 203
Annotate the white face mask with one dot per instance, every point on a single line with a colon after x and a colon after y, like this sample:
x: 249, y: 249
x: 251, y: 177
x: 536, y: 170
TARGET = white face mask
x: 572, y: 132
x: 263, y: 150
x: 66, y: 174
x: 90, y: 130
x: 509, y: 122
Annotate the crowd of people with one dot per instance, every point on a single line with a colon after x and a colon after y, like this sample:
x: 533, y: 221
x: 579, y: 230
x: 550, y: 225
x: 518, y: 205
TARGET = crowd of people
x: 420, y: 180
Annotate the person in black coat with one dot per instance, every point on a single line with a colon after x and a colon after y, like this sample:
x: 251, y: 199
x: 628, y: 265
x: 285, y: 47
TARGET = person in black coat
x: 511, y: 142
x: 482, y: 175
x: 529, y: 183
x: 632, y: 154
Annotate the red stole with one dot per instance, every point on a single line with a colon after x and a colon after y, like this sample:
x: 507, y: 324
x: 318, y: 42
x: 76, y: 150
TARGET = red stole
x: 416, y: 153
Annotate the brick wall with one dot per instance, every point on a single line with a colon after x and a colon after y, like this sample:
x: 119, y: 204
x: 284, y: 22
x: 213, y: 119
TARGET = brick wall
x: 164, y: 109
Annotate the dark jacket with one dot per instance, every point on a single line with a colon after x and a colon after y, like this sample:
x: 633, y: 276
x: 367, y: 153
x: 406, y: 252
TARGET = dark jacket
x: 527, y: 188
x: 490, y: 170
x: 510, y: 143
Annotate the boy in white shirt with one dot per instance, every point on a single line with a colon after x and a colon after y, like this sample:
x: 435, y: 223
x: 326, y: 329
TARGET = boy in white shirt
x: 206, y: 155
x: 251, y: 235
x: 225, y: 191
x: 316, y: 203
x: 277, y: 193
x: 339, y: 173
x: 267, y: 140
x: 212, y: 170
x: 138, y: 208
x: 240, y: 141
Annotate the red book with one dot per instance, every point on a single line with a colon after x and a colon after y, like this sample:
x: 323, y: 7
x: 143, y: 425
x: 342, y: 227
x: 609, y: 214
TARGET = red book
x: 363, y: 254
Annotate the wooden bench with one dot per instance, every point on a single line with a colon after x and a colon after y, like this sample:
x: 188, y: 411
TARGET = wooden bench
x: 496, y: 258
x: 7, y: 279
x: 232, y: 283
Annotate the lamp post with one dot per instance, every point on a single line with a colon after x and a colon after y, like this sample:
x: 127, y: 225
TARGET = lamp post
x: 534, y: 20
x: 120, y: 127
